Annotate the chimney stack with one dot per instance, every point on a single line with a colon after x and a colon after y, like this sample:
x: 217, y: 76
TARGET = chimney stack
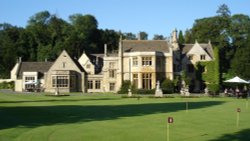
x: 105, y: 50
x: 20, y: 59
x: 139, y: 36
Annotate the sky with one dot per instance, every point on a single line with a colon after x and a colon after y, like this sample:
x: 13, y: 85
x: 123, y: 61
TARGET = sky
x: 150, y: 16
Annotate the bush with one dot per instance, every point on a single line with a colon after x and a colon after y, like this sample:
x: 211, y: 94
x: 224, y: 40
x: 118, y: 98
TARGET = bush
x: 7, y: 85
x: 167, y: 86
x: 143, y: 91
x: 213, y: 89
x: 124, y: 88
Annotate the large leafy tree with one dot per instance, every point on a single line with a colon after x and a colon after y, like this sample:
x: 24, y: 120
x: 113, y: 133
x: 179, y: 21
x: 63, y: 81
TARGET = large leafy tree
x: 109, y: 37
x: 241, y: 63
x: 83, y: 34
x: 9, y: 36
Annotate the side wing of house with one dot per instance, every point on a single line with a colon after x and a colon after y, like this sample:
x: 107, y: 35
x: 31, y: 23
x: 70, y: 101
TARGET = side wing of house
x: 65, y: 75
x: 30, y: 75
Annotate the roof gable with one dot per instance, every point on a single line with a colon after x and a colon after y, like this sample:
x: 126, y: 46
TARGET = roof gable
x: 186, y: 48
x: 84, y: 59
x: 65, y: 62
x: 197, y: 49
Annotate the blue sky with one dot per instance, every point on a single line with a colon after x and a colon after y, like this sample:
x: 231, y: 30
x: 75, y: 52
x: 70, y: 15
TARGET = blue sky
x: 151, y: 16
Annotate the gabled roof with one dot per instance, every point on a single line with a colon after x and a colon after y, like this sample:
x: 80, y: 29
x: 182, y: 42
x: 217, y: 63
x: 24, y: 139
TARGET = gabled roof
x: 40, y: 67
x: 65, y: 56
x: 207, y: 47
x: 145, y: 46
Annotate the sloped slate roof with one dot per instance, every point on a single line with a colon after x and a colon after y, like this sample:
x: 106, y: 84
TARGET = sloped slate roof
x: 40, y: 67
x: 207, y: 47
x: 145, y: 46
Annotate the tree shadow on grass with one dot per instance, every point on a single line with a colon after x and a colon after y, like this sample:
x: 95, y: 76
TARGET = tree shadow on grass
x: 34, y: 116
x: 243, y: 135
x: 59, y: 100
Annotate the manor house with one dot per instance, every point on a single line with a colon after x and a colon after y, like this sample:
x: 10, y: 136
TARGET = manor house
x: 143, y: 62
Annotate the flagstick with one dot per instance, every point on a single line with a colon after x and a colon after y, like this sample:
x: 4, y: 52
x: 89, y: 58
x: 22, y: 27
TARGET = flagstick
x: 238, y: 119
x: 247, y: 103
x: 186, y: 106
x: 168, y: 132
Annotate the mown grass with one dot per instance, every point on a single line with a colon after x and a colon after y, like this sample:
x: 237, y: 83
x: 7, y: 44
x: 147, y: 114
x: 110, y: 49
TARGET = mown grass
x: 35, y: 117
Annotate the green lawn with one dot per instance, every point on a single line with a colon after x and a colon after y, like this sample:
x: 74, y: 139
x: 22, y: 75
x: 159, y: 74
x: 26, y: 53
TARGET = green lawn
x: 27, y: 117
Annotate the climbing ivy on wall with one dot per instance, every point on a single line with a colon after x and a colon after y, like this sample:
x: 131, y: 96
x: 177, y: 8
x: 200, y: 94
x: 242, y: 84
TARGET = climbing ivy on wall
x: 209, y: 72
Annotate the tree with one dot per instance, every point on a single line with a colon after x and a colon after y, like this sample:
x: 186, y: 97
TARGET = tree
x: 223, y: 10
x: 9, y: 36
x: 240, y: 65
x: 239, y: 29
x: 143, y: 35
x: 83, y: 35
x: 181, y: 38
x: 159, y: 37
x: 129, y: 36
x: 109, y: 37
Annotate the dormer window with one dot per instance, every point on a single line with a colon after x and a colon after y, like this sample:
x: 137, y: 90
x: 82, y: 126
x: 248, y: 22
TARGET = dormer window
x: 203, y: 57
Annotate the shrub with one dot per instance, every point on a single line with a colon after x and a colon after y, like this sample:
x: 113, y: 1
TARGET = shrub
x: 167, y: 86
x: 213, y: 89
x: 7, y: 85
x: 124, y: 88
x: 143, y: 91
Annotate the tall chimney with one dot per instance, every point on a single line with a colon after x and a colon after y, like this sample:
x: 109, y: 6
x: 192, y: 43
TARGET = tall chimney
x: 139, y: 36
x: 105, y: 50
x: 20, y: 59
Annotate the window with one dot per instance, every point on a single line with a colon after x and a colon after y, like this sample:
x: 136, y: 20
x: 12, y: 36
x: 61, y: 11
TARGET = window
x: 190, y: 57
x: 135, y: 61
x: 64, y: 64
x: 98, y: 84
x: 88, y: 66
x: 90, y: 84
x: 30, y: 85
x: 147, y: 81
x: 135, y: 80
x: 190, y: 68
x: 29, y: 78
x: 146, y: 61
x: 111, y: 65
x: 111, y: 86
x: 203, y: 57
x: 60, y: 81
x: 112, y: 73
